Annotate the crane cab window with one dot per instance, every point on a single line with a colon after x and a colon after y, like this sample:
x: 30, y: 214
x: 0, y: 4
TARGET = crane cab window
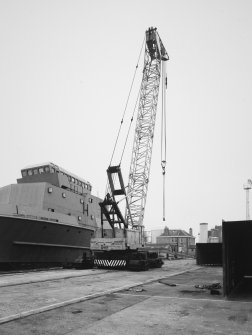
x: 29, y: 172
x: 41, y: 170
x: 24, y: 173
x: 35, y: 171
x: 47, y: 170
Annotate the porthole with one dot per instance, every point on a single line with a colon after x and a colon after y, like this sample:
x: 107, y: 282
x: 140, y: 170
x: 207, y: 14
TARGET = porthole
x: 79, y: 218
x: 81, y: 201
x: 92, y: 217
x: 63, y: 195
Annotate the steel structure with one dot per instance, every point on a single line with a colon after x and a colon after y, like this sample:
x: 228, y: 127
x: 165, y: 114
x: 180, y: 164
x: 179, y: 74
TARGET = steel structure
x: 247, y: 187
x: 155, y: 54
x: 123, y: 246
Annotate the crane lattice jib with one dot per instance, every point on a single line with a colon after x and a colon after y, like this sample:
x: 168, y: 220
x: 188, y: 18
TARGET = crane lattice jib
x: 155, y: 53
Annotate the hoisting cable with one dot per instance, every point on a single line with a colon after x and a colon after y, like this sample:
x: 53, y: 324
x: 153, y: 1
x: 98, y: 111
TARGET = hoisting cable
x: 127, y: 103
x: 163, y: 132
x: 131, y: 120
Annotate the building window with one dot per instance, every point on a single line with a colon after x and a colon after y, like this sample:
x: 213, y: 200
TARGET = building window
x: 24, y: 173
x: 35, y: 171
x: 29, y: 172
x: 49, y: 189
x: 41, y: 170
x: 47, y: 169
x: 63, y: 195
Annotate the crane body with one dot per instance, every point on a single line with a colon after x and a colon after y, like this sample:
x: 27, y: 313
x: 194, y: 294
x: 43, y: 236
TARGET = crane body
x: 122, y: 244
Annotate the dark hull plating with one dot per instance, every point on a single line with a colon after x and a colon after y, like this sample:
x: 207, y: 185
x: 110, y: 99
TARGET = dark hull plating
x: 31, y: 243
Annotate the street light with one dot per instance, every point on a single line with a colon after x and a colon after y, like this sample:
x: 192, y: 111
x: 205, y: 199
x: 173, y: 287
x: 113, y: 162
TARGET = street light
x: 247, y: 187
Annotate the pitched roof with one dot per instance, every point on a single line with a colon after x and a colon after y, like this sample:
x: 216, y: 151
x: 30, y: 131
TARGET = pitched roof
x: 175, y: 232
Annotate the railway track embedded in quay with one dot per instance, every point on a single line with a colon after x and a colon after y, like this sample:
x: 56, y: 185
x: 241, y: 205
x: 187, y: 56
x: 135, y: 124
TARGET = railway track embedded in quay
x: 13, y: 278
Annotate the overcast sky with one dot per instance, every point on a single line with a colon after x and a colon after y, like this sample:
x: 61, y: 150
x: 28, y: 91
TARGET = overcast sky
x: 65, y: 73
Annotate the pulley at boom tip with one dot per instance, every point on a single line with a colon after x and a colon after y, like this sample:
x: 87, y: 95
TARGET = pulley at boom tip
x: 155, y: 45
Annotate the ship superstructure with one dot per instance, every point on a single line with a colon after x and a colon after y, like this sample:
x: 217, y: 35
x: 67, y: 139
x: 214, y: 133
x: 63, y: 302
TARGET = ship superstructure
x: 48, y: 217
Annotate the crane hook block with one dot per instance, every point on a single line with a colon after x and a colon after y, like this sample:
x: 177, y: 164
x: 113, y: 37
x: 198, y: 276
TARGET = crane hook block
x: 163, y: 164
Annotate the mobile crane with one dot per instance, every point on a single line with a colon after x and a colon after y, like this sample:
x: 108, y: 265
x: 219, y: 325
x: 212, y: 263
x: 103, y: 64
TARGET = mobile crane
x: 122, y: 246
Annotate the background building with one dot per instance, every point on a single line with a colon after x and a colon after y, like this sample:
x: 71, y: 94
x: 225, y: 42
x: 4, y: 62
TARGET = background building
x: 213, y: 235
x: 154, y: 234
x: 177, y: 241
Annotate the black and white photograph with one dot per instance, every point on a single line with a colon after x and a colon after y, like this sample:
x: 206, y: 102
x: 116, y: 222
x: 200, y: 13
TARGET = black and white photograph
x: 126, y: 167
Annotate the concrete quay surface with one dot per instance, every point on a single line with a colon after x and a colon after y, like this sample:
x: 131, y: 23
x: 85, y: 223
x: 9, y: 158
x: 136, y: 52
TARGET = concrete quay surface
x: 25, y: 294
x: 158, y: 301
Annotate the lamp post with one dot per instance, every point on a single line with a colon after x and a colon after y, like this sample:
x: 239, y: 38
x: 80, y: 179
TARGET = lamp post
x: 247, y: 187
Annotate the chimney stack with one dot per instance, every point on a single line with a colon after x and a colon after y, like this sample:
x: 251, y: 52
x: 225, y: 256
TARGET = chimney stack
x: 203, y: 232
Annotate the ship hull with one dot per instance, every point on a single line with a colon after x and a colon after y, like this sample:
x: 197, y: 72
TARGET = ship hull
x: 29, y: 243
